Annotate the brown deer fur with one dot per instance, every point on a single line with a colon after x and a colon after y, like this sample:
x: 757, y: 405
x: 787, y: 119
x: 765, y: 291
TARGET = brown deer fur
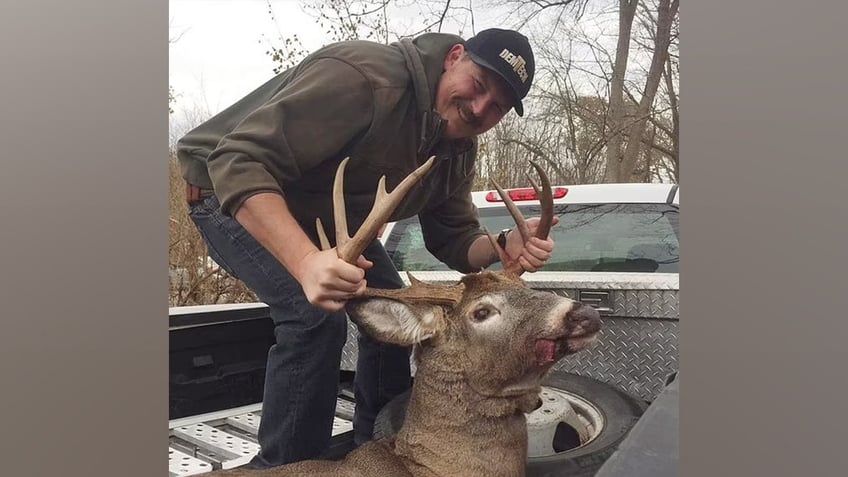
x: 480, y: 365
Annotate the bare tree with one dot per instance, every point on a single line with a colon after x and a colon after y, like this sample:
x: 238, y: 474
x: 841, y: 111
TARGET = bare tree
x: 382, y: 21
x: 172, y: 96
x: 670, y: 159
x: 572, y: 121
x: 621, y: 164
x: 588, y: 123
x: 627, y: 11
x: 288, y: 52
x: 194, y: 279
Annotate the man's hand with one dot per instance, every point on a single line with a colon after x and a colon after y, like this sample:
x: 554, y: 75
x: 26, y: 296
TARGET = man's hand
x: 533, y: 254
x: 328, y: 281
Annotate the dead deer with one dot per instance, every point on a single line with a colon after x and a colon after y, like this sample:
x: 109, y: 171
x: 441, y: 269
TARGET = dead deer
x: 483, y: 347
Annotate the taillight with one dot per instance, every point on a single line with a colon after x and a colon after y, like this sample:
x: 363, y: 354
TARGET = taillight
x: 524, y: 194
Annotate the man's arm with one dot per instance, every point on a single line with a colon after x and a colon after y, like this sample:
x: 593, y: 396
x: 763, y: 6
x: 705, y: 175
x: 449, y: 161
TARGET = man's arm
x: 309, y: 121
x: 327, y: 280
x: 273, y: 146
x: 453, y: 225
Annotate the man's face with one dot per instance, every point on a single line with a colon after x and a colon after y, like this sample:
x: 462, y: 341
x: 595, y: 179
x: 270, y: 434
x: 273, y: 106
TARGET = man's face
x: 471, y: 98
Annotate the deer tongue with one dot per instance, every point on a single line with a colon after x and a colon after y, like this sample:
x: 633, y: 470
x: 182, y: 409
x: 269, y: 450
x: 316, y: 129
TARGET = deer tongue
x: 545, y: 351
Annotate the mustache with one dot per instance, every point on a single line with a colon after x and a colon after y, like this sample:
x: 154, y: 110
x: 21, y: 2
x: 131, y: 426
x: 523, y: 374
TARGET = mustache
x: 467, y: 113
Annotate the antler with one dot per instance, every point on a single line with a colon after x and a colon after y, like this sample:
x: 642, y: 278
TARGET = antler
x: 349, y: 248
x: 422, y: 292
x: 384, y: 204
x: 546, y: 217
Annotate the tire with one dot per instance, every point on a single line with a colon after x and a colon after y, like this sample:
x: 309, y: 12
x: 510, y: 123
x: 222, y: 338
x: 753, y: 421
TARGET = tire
x: 619, y: 410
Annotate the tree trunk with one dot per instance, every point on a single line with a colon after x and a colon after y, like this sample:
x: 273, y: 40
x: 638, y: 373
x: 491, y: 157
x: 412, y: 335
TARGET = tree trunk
x: 627, y: 10
x: 675, y: 121
x: 665, y: 16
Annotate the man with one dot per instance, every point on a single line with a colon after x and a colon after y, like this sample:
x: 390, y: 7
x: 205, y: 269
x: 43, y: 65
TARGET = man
x: 270, y: 159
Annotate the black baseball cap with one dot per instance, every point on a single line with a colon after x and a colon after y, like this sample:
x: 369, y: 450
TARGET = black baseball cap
x: 507, y: 53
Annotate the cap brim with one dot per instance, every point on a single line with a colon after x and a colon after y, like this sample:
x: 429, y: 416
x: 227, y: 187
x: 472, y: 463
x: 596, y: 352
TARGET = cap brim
x: 519, y: 108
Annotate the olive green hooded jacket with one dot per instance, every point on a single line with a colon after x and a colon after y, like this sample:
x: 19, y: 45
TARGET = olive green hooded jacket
x: 369, y: 101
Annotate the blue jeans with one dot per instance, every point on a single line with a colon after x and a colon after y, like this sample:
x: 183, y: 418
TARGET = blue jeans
x: 302, y: 374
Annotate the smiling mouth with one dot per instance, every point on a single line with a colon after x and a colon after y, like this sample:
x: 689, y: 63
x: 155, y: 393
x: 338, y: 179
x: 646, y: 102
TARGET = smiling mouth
x: 465, y: 116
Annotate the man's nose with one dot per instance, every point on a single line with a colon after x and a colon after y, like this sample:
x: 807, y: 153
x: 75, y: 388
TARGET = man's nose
x: 480, y: 105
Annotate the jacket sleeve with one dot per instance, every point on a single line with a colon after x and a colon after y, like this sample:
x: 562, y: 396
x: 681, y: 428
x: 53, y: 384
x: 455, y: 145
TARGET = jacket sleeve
x: 325, y: 106
x: 453, y: 225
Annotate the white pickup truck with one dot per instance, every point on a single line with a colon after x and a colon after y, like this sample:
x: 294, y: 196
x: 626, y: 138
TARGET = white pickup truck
x: 617, y: 249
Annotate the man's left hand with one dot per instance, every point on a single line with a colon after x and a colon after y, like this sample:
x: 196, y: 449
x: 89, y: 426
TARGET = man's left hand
x: 533, y: 254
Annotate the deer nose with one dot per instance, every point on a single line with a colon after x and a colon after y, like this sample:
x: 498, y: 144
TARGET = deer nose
x: 584, y: 316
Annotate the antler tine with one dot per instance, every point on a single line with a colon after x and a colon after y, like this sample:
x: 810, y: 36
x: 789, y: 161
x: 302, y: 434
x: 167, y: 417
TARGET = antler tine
x: 384, y: 205
x: 501, y: 252
x: 520, y: 222
x: 546, y: 202
x: 546, y: 218
x: 322, y: 235
x: 339, y: 213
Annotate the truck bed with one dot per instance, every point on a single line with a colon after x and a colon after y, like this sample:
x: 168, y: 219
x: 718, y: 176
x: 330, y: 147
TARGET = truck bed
x: 217, y: 370
x: 218, y: 355
x: 227, y: 439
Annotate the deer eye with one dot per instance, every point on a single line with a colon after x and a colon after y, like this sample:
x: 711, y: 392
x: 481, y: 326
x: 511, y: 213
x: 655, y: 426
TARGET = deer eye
x: 481, y: 314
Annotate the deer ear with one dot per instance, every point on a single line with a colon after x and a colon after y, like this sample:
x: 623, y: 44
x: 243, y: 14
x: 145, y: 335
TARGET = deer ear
x: 397, y: 322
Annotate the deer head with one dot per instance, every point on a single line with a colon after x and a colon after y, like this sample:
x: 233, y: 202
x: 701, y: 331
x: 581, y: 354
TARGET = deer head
x: 490, y: 330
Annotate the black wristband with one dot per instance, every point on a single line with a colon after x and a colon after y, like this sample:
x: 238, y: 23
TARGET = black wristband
x: 502, y: 238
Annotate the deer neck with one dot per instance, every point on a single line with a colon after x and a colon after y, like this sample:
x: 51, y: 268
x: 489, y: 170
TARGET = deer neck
x: 451, y: 430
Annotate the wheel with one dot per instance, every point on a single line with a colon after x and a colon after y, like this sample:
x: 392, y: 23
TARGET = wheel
x: 579, y: 425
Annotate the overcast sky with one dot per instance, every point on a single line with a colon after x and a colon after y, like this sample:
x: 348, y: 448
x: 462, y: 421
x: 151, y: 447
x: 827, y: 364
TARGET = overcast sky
x: 217, y: 53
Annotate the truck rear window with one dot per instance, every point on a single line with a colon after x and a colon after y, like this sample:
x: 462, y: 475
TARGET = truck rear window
x: 589, y: 238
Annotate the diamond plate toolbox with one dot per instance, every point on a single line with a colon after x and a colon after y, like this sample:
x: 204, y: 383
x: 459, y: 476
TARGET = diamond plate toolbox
x: 638, y: 345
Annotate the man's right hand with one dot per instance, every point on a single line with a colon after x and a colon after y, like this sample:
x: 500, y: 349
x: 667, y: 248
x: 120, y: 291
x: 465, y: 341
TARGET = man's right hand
x: 328, y: 281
